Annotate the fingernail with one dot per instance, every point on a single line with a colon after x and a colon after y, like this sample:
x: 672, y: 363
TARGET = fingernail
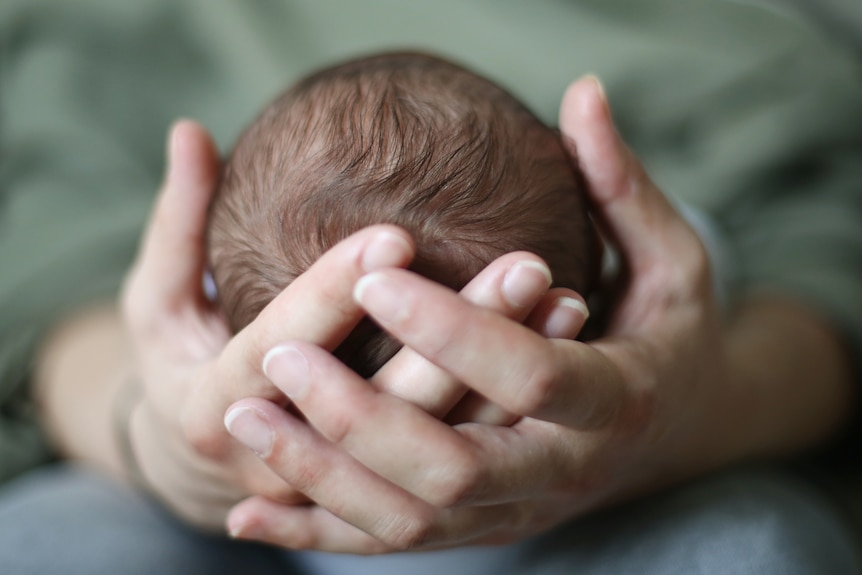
x: 171, y: 149
x: 287, y: 368
x: 574, y: 304
x: 566, y: 318
x: 386, y: 250
x: 235, y: 530
x: 380, y: 298
x: 599, y: 87
x: 525, y: 282
x: 251, y: 429
x: 244, y: 528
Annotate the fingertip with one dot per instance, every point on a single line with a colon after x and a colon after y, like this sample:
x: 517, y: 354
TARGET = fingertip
x: 193, y: 159
x: 177, y: 134
x: 382, y: 298
x: 389, y: 246
x: 566, y: 319
x: 250, y: 427
x: 561, y: 316
x: 584, y: 98
x: 525, y: 282
x: 574, y: 304
x: 184, y: 128
x: 598, y: 87
x: 591, y: 138
x: 287, y: 367
x: 241, y: 522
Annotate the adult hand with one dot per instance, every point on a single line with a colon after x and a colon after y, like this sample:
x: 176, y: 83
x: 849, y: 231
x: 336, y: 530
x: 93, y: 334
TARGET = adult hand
x: 600, y: 421
x: 191, y: 370
x: 186, y: 359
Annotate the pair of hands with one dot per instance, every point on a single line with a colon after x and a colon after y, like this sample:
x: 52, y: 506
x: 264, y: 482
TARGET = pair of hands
x: 409, y: 461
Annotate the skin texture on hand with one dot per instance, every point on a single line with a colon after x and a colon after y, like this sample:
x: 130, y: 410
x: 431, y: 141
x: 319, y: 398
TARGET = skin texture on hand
x: 563, y: 427
x: 187, y: 362
x: 645, y: 406
x: 170, y: 338
x: 191, y: 369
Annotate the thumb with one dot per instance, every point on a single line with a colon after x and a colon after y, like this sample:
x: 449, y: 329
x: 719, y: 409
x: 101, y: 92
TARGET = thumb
x: 173, y: 252
x: 639, y: 218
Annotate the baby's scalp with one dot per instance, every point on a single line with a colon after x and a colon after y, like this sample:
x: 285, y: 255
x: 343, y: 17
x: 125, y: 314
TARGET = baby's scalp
x: 402, y: 138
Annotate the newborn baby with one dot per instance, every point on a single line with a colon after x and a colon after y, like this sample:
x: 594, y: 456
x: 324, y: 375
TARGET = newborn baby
x: 402, y: 138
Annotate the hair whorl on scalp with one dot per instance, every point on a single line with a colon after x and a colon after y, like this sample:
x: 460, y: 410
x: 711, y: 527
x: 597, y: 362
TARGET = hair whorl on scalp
x: 407, y: 139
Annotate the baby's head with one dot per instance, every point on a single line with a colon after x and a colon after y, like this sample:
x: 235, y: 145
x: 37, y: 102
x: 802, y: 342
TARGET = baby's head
x: 406, y: 139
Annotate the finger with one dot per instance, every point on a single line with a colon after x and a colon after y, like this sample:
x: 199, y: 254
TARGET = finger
x: 172, y: 252
x: 511, y: 285
x: 254, y: 476
x: 393, y: 438
x: 380, y: 481
x: 561, y: 381
x: 560, y: 315
x: 328, y: 475
x: 317, y: 307
x: 315, y: 528
x: 365, y: 513
x: 638, y: 216
x: 299, y: 528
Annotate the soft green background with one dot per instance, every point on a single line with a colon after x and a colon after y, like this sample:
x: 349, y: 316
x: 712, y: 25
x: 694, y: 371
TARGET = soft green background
x: 742, y: 110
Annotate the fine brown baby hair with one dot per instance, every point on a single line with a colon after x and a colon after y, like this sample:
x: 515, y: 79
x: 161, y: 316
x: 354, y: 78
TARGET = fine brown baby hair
x: 402, y: 138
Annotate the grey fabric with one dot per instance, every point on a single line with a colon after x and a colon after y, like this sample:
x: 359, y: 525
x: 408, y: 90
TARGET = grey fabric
x: 743, y: 522
x: 61, y: 519
x: 65, y: 520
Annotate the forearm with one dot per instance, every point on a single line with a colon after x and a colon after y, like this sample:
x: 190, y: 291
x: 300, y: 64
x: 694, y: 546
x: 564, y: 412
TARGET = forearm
x: 791, y: 378
x: 81, y: 366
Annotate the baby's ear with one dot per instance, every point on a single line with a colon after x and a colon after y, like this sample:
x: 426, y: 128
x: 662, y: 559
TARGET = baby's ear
x: 208, y: 285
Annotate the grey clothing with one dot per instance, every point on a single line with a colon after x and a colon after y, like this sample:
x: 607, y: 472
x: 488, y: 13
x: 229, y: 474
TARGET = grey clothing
x: 749, y: 521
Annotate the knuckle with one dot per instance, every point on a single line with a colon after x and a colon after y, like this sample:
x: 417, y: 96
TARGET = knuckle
x: 696, y: 260
x: 302, y: 539
x: 265, y: 483
x: 339, y: 426
x: 457, y: 483
x: 586, y: 483
x: 403, y: 533
x: 203, y: 439
x: 306, y: 477
x: 434, y: 345
x: 538, y: 391
x: 682, y: 279
x: 130, y: 305
x: 444, y: 343
x: 638, y: 415
x: 139, y: 310
x: 691, y: 266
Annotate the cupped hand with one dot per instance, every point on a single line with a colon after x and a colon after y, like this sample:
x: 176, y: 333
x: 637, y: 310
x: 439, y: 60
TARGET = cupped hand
x: 189, y: 366
x: 597, y: 422
x: 191, y: 369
